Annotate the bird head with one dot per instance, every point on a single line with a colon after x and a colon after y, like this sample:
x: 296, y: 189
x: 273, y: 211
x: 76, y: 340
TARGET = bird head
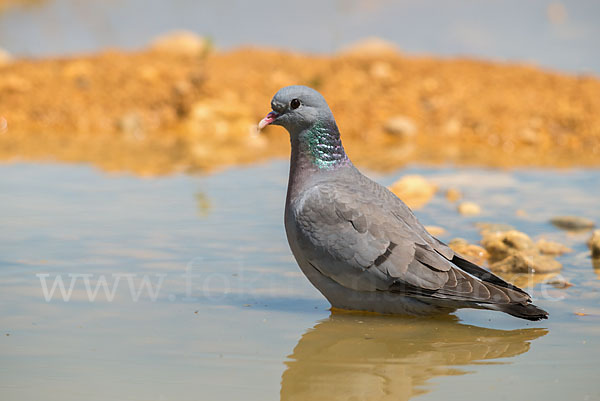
x: 297, y: 108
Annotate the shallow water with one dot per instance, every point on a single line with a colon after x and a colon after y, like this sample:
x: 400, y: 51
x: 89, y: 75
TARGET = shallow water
x: 231, y: 317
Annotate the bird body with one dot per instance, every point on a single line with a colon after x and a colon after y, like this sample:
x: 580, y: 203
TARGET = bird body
x: 358, y: 243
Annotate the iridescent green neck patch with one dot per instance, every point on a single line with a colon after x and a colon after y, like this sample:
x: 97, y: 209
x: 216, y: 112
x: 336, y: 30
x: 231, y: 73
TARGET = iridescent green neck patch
x: 323, y: 146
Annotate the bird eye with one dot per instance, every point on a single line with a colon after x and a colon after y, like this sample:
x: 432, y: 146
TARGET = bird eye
x: 294, y: 104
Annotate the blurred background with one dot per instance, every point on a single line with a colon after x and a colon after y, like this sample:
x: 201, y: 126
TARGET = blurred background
x: 558, y: 35
x: 500, y: 83
x: 142, y: 249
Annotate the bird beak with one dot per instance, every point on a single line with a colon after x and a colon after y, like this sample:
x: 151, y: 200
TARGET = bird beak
x: 267, y: 120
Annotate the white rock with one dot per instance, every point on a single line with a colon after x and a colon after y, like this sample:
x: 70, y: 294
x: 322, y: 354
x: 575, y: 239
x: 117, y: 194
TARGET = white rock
x: 371, y: 46
x: 5, y: 57
x: 435, y: 230
x: 183, y: 42
x: 469, y: 209
x: 414, y: 190
x: 401, y: 126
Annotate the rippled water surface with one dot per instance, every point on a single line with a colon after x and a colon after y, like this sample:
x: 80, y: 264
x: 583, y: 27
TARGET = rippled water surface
x: 229, y: 316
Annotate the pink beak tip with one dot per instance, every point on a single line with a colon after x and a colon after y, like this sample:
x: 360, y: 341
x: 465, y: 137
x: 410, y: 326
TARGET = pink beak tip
x: 267, y: 120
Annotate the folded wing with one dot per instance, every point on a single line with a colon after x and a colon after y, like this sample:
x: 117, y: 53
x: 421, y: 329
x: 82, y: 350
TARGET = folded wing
x: 369, y: 241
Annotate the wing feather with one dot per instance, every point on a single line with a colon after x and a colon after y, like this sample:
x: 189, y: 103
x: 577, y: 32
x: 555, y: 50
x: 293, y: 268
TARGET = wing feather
x: 370, y: 240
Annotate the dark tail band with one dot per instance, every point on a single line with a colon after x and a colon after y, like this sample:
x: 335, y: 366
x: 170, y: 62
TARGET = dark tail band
x: 529, y: 311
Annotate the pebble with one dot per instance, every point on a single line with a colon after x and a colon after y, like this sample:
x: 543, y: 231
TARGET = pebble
x: 594, y: 244
x: 414, y: 190
x: 485, y: 227
x: 513, y: 251
x: 526, y: 263
x: 502, y: 244
x: 380, y: 70
x: 3, y: 125
x: 521, y: 213
x: 572, y: 223
x: 435, y: 230
x: 469, y: 209
x: 131, y: 125
x: 559, y: 282
x: 148, y: 73
x: 182, y: 42
x: 401, y: 126
x: 370, y: 47
x: 529, y: 136
x: 77, y: 69
x: 552, y: 248
x: 453, y: 194
x: 5, y: 57
x: 472, y: 252
x: 16, y: 84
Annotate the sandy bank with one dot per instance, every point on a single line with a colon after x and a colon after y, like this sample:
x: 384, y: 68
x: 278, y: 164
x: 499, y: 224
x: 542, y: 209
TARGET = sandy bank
x: 154, y: 112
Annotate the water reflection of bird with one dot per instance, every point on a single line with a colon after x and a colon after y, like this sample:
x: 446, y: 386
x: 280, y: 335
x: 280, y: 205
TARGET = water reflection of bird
x: 362, y: 357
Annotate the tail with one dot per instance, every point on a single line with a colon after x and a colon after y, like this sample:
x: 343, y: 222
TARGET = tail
x: 519, y: 304
x: 523, y: 311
